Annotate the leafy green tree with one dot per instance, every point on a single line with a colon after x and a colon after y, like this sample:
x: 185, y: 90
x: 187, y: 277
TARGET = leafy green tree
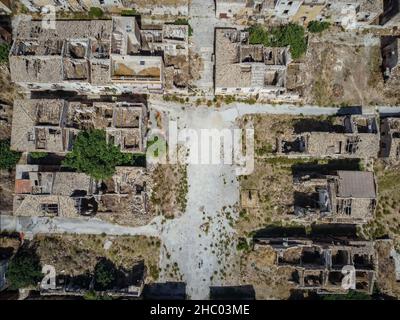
x: 92, y: 154
x: 24, y: 269
x: 104, y: 274
x: 8, y: 157
x: 95, y: 12
x: 318, y: 26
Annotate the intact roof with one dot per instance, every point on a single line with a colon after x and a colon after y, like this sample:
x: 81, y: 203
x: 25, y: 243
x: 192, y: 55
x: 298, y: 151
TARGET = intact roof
x: 356, y: 184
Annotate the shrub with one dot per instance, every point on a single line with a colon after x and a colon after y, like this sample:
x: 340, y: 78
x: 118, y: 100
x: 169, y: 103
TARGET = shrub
x: 242, y: 245
x: 318, y: 26
x: 38, y: 155
x: 95, y: 12
x: 129, y: 12
x: 351, y: 295
x: 4, y: 51
x: 92, y: 155
x: 24, y: 269
x: 8, y: 158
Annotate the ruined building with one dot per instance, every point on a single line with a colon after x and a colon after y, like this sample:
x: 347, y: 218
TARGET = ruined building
x: 128, y: 283
x: 51, y: 125
x: 98, y: 56
x: 319, y: 264
x: 390, y: 138
x: 357, y: 136
x: 178, y: 7
x: 245, y: 69
x: 390, y: 57
x: 48, y: 191
x: 350, y: 14
x: 345, y: 197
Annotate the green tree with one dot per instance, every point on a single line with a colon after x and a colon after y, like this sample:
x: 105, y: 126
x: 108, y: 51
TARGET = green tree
x: 95, y: 12
x: 104, y: 274
x: 92, y: 154
x: 8, y: 157
x: 318, y: 26
x: 24, y: 269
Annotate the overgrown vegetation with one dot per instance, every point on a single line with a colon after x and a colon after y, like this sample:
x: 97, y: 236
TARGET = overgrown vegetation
x: 8, y: 157
x: 129, y: 12
x: 184, y: 22
x: 318, y: 26
x: 292, y: 35
x: 95, y: 12
x: 24, y: 269
x: 351, y: 295
x: 4, y: 51
x: 38, y: 155
x: 93, y: 155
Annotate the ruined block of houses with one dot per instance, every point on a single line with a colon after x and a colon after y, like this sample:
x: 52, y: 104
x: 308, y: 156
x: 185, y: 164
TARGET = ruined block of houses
x: 48, y: 191
x: 97, y: 56
x: 162, y: 7
x: 245, y: 69
x: 357, y: 137
x: 350, y: 14
x: 319, y: 263
x: 128, y: 283
x: 51, y: 125
x: 345, y: 197
x: 390, y: 138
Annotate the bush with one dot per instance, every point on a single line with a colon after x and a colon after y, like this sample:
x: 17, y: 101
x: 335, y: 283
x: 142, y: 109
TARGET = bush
x: 288, y: 35
x: 351, y: 295
x: 242, y: 245
x: 8, y: 158
x: 92, y: 155
x: 38, y: 155
x: 95, y: 12
x: 129, y: 12
x: 4, y: 51
x: 318, y: 26
x: 24, y: 270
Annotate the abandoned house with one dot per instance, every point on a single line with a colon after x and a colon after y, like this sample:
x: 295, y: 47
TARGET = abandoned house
x: 97, y: 56
x: 319, y: 264
x: 355, y: 136
x: 51, y: 125
x: 390, y: 56
x: 128, y: 283
x: 346, y: 197
x: 390, y: 138
x: 244, y: 69
x: 49, y: 191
